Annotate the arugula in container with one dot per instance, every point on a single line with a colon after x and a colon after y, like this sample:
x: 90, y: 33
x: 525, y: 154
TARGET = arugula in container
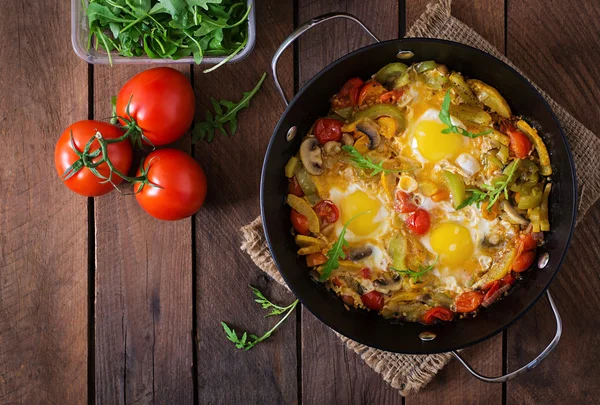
x: 169, y: 29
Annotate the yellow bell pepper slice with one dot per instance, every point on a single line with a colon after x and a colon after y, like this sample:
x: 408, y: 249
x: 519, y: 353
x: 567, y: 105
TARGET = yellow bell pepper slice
x: 304, y: 208
x: 539, y: 145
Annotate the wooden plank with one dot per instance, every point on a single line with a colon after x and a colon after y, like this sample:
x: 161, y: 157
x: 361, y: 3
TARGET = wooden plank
x: 266, y: 374
x: 330, y: 372
x: 43, y: 226
x: 564, y: 36
x: 143, y: 309
x: 454, y: 384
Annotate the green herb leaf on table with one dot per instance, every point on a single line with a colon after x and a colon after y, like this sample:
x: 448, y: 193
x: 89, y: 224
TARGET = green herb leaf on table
x: 247, y: 341
x: 365, y: 162
x: 417, y: 275
x: 337, y: 250
x: 445, y: 118
x: 206, y: 130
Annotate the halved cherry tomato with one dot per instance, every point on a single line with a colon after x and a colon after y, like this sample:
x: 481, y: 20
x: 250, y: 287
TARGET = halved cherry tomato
x: 508, y: 280
x: 441, y: 313
x: 328, y: 129
x: 527, y: 242
x: 404, y: 203
x: 294, y: 187
x: 495, y: 285
x: 391, y: 96
x: 348, y: 95
x: 373, y: 300
x: 520, y: 145
x: 348, y: 300
x: 299, y: 222
x: 523, y: 261
x: 419, y: 222
x: 336, y: 281
x: 365, y: 272
x: 327, y: 211
x: 316, y: 259
x: 469, y: 301
x: 370, y: 93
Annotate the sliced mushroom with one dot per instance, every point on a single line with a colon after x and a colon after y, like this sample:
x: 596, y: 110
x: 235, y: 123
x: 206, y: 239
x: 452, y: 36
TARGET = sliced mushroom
x: 359, y: 252
x: 310, y: 154
x: 332, y: 148
x: 387, y: 282
x: 513, y: 215
x: 370, y: 128
x: 347, y: 139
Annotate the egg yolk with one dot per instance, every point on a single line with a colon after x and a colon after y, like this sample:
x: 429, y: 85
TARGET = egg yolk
x: 452, y: 242
x: 433, y: 144
x: 358, y: 202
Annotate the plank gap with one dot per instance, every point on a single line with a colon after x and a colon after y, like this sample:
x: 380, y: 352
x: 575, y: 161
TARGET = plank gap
x: 91, y: 350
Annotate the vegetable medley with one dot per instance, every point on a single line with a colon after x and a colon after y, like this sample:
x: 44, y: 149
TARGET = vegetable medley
x: 420, y: 196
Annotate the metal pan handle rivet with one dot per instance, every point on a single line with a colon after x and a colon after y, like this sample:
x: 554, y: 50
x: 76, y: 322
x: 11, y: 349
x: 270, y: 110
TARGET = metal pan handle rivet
x: 405, y: 54
x: 291, y: 133
x: 427, y: 336
x: 543, y: 260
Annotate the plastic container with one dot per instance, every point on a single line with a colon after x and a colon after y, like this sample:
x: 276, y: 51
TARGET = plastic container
x: 79, y: 38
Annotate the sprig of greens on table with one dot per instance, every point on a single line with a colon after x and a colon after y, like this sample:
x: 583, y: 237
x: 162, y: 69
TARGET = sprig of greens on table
x: 169, y: 29
x: 445, y: 118
x: 417, y: 275
x: 248, y: 341
x: 206, y: 130
x: 337, y: 250
x: 494, y: 191
x: 365, y: 162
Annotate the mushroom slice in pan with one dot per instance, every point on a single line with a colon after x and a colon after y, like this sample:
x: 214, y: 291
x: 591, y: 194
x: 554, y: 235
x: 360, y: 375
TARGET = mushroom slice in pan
x: 310, y: 154
x: 371, y: 129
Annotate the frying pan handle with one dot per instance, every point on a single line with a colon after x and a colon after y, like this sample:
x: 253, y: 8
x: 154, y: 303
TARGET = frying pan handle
x: 301, y: 30
x: 529, y: 366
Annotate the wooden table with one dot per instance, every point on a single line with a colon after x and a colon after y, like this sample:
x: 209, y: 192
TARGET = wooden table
x: 100, y: 302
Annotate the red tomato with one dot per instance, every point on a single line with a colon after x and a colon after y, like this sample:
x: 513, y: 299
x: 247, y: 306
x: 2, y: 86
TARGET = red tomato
x: 441, y: 313
x: 508, y: 280
x: 404, y: 203
x: 337, y: 282
x: 469, y: 301
x: 523, y: 261
x: 365, y: 272
x: 316, y: 259
x: 327, y: 211
x: 299, y: 222
x: 85, y: 182
x: 294, y: 187
x: 520, y: 145
x: 328, y: 129
x: 419, y: 222
x: 181, y: 181
x: 527, y: 242
x: 351, y: 89
x: 391, y: 96
x: 370, y: 93
x: 348, y: 300
x: 373, y: 300
x: 495, y: 285
x: 161, y: 101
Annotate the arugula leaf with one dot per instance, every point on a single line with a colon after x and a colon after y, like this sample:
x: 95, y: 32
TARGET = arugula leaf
x: 476, y: 197
x: 445, y: 118
x: 247, y: 341
x: 365, y: 162
x: 337, y: 250
x: 417, y: 275
x: 203, y: 3
x: 206, y: 129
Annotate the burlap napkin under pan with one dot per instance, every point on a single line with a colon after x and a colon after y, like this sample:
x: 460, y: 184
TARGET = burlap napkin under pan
x: 409, y: 372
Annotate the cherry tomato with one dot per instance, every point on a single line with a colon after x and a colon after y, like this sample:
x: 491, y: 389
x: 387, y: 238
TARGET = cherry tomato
x: 83, y: 181
x: 495, y: 285
x: 351, y: 89
x: 327, y: 211
x: 373, y: 300
x: 419, y: 222
x: 162, y: 102
x: 337, y: 282
x: 523, y: 261
x: 404, y: 203
x: 348, y: 300
x: 328, y: 129
x: 294, y: 187
x: 391, y: 96
x: 316, y: 259
x: 508, y: 280
x: 181, y: 185
x: 299, y: 222
x: 469, y: 301
x: 527, y: 242
x: 370, y: 93
x: 520, y: 145
x: 441, y: 313
x: 365, y: 272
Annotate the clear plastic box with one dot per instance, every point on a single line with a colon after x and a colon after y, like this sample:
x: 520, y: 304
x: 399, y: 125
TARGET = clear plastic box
x: 79, y: 38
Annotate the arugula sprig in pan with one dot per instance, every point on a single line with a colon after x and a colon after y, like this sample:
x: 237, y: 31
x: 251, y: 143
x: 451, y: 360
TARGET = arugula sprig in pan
x: 417, y: 275
x: 366, y: 163
x: 493, y: 192
x: 445, y: 118
x: 168, y: 29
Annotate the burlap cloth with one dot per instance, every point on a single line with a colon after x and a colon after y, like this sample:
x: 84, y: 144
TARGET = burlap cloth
x: 411, y: 372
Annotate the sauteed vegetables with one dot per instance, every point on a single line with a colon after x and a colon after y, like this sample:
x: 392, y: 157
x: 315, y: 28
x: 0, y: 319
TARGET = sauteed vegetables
x: 420, y: 195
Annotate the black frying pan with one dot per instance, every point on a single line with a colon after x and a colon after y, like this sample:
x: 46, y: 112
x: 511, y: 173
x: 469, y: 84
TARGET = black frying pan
x: 312, y: 101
